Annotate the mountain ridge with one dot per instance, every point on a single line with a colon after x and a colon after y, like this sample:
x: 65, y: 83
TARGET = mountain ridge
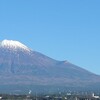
x: 24, y: 67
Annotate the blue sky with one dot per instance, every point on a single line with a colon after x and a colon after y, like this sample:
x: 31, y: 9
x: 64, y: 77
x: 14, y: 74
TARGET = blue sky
x: 61, y: 29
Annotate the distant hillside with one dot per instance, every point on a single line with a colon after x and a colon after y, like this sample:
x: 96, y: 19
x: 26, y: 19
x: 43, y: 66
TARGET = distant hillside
x: 20, y: 66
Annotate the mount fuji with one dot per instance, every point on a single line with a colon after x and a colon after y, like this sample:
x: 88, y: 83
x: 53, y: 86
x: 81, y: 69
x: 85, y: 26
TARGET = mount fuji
x: 21, y: 67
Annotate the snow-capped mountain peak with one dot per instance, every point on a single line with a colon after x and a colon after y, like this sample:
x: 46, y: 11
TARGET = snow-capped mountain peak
x: 13, y: 45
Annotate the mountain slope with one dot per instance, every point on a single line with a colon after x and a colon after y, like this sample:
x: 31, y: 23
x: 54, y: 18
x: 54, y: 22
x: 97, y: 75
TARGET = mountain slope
x: 19, y: 65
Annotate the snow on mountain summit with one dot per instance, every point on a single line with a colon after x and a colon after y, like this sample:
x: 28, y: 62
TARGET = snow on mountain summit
x: 13, y: 45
